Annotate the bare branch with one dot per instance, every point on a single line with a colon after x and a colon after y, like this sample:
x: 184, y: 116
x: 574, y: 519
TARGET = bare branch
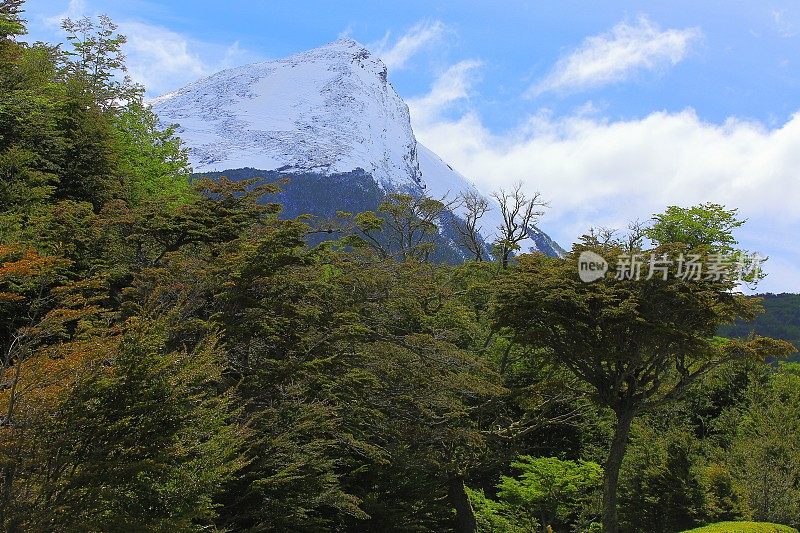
x: 469, y: 229
x: 519, y: 213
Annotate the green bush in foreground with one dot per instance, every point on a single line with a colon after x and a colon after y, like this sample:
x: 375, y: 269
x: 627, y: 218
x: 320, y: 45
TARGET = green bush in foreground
x: 743, y: 527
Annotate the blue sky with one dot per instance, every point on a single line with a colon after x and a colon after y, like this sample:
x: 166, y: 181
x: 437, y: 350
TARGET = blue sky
x: 612, y: 109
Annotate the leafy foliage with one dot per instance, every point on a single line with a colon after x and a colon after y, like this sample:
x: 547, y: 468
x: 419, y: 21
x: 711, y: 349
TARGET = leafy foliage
x: 780, y: 320
x: 556, y: 492
x: 180, y: 355
x: 706, y: 224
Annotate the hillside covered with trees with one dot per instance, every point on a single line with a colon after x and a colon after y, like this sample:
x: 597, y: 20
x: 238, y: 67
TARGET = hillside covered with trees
x: 176, y: 356
x: 780, y: 320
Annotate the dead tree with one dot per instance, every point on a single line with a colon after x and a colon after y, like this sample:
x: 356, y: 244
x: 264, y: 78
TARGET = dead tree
x: 468, y: 227
x: 519, y: 212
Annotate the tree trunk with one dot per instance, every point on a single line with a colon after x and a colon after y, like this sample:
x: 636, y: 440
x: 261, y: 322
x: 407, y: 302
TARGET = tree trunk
x: 465, y: 515
x: 505, y: 256
x: 611, y: 471
x: 12, y: 395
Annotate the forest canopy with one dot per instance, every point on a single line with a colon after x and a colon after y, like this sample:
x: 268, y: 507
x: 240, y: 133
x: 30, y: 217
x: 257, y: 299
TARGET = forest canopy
x: 176, y: 356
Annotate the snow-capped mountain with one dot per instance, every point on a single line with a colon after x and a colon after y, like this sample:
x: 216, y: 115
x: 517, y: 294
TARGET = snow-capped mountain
x: 327, y: 111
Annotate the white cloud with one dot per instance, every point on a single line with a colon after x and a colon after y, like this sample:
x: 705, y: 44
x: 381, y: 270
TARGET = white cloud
x: 451, y: 86
x: 75, y: 10
x: 397, y: 54
x: 784, y: 26
x: 165, y: 60
x: 160, y: 58
x: 617, y: 55
x: 597, y: 172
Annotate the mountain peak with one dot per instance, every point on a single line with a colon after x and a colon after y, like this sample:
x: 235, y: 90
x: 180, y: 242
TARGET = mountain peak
x: 344, y: 43
x: 327, y: 110
x: 348, y: 51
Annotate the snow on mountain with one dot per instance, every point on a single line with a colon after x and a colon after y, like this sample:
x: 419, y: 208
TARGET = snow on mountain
x: 328, y: 110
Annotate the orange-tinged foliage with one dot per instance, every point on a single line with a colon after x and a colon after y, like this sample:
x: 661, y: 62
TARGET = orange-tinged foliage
x: 10, y: 297
x: 43, y: 354
x: 22, y: 268
x: 52, y: 371
x: 24, y: 263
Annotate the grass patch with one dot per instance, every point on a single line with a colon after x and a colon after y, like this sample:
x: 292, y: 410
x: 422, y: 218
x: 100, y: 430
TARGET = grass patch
x: 743, y: 527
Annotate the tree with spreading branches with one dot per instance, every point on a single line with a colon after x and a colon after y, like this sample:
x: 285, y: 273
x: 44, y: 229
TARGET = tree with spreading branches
x: 519, y: 213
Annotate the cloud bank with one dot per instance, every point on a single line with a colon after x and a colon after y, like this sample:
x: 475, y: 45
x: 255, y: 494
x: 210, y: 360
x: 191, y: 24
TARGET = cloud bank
x: 598, y: 172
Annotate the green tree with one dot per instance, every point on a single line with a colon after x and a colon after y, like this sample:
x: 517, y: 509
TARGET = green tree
x: 145, y: 444
x: 107, y: 422
x: 404, y: 227
x: 495, y: 517
x: 661, y: 489
x: 639, y: 344
x: 152, y: 158
x: 765, y: 451
x: 11, y: 24
x: 97, y: 61
x: 30, y: 99
x: 553, y: 491
x: 706, y: 224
